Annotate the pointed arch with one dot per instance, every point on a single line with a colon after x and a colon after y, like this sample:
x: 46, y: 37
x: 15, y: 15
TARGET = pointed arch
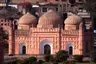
x: 47, y: 44
x: 70, y: 48
x: 22, y: 48
x: 47, y: 49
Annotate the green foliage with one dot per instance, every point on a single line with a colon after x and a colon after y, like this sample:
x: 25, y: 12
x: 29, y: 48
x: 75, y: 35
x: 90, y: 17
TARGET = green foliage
x: 70, y: 62
x: 5, y: 35
x: 78, y: 58
x: 90, y: 6
x: 30, y: 60
x: 40, y: 62
x: 61, y: 56
x: 55, y: 62
x: 48, y: 58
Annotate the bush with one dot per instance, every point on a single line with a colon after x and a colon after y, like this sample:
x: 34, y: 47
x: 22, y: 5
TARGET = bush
x: 30, y: 60
x: 25, y: 61
x: 19, y: 61
x: 70, y: 62
x: 54, y: 62
x: 61, y: 56
x: 40, y: 62
x: 78, y: 58
x: 48, y: 58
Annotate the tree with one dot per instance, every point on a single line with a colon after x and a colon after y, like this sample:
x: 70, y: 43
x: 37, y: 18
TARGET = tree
x: 90, y: 6
x: 28, y: 7
x: 61, y: 56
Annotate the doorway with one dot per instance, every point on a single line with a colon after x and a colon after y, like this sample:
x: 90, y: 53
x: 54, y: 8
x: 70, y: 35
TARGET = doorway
x: 23, y: 49
x: 47, y: 49
x: 70, y: 50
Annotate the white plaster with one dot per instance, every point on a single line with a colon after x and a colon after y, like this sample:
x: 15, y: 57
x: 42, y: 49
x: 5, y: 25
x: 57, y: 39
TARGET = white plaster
x: 13, y: 6
x: 43, y: 43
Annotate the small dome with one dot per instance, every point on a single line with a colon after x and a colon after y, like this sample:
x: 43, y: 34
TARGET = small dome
x: 50, y: 18
x: 73, y: 20
x: 27, y: 19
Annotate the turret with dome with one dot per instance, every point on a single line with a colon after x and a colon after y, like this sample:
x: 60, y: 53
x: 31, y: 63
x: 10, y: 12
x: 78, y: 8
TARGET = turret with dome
x: 72, y: 22
x: 27, y: 20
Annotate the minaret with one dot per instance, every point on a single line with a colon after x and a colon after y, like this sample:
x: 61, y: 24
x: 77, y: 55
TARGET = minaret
x: 1, y: 46
x: 81, y: 31
x: 11, y: 38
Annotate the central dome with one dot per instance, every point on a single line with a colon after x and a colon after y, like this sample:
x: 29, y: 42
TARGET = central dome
x: 50, y: 18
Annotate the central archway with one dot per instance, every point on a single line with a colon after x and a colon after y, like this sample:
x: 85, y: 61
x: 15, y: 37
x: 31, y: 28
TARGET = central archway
x: 46, y: 47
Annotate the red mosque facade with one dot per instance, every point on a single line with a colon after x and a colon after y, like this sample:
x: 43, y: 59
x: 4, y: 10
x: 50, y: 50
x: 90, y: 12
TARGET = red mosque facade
x: 50, y: 34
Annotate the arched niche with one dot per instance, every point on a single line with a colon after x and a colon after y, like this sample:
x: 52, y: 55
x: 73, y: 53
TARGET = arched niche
x: 70, y: 48
x: 22, y: 48
x: 45, y: 44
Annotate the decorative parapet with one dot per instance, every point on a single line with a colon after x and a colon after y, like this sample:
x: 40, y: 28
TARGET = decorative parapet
x: 45, y: 30
x: 70, y: 32
x: 22, y: 32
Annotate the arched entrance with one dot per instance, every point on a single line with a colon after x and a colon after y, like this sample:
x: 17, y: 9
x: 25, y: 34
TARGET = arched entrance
x: 47, y: 49
x: 24, y: 50
x: 70, y: 50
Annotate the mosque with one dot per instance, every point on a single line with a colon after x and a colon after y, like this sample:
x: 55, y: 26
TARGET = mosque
x: 49, y: 34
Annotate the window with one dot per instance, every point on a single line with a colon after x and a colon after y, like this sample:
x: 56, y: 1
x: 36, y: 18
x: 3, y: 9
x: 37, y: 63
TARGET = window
x: 80, y: 0
x: 45, y: 0
x: 64, y: 0
x: 1, y: 24
x: 72, y: 1
x: 44, y: 9
x: 56, y: 9
x: 5, y: 24
x: 56, y: 0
